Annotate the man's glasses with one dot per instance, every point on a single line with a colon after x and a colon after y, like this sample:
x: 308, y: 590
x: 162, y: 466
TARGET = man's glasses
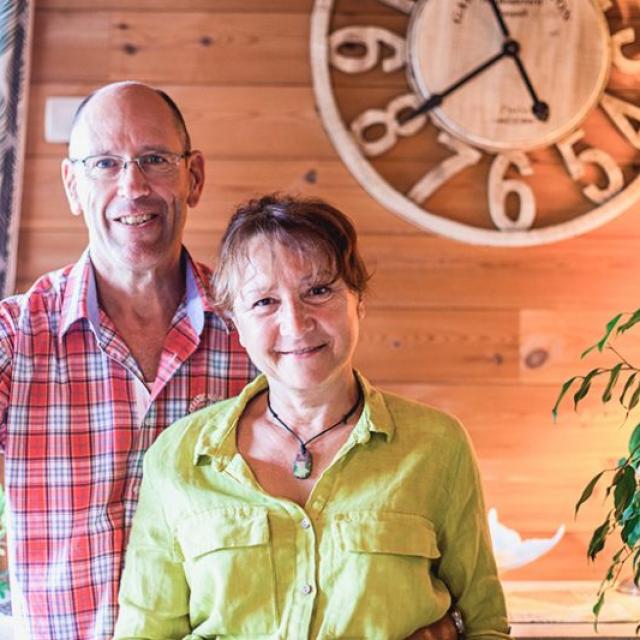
x: 154, y: 165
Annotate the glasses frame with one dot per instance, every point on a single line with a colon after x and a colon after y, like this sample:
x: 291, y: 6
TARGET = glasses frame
x: 177, y: 157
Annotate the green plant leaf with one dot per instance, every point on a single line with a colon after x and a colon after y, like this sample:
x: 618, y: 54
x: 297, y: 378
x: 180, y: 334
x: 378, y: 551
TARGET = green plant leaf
x: 632, y: 510
x: 596, y: 610
x: 585, y: 386
x: 603, y: 341
x: 596, y: 545
x: 613, y: 378
x: 625, y: 488
x: 588, y: 490
x: 630, y: 533
x: 625, y: 326
x: 563, y: 391
x: 635, y: 398
x: 627, y: 386
x: 634, y: 441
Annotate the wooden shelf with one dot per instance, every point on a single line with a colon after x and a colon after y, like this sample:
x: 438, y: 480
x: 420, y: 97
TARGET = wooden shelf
x: 563, y: 609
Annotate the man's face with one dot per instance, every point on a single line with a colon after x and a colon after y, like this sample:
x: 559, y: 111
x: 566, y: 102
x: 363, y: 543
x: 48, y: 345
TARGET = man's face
x: 135, y: 222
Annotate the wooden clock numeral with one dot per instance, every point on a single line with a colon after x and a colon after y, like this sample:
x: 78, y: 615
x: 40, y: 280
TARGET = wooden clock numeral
x: 372, y: 39
x: 500, y: 188
x: 575, y: 164
x: 464, y: 157
x: 388, y: 118
x: 630, y: 66
x: 622, y: 114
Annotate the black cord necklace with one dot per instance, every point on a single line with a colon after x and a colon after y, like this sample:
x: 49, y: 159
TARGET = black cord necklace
x: 303, y: 463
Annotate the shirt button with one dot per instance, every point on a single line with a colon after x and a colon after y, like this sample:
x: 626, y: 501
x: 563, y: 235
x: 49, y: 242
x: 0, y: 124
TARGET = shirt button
x: 305, y: 524
x: 307, y: 589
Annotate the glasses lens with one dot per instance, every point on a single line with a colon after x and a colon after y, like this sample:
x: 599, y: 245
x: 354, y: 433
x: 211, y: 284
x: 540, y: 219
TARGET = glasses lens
x: 158, y: 164
x: 103, y: 167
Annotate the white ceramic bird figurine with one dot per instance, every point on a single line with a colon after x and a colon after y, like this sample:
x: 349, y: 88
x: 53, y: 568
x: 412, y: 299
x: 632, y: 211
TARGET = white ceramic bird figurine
x: 511, y: 551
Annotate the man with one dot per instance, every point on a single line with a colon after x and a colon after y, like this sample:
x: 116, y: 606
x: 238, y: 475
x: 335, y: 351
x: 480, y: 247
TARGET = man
x: 98, y: 358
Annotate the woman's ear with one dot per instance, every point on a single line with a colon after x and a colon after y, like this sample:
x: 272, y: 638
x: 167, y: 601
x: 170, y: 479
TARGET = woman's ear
x: 230, y: 321
x: 362, y: 311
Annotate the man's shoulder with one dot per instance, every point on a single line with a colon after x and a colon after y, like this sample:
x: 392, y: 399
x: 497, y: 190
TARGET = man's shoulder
x: 44, y: 295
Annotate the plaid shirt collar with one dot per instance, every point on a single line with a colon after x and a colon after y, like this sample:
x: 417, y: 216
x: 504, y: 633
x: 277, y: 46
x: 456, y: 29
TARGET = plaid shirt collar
x: 80, y: 299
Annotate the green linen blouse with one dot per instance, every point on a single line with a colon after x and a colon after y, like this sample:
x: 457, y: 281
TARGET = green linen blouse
x: 393, y: 531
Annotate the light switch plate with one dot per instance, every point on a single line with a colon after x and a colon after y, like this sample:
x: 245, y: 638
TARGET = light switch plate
x: 58, y: 116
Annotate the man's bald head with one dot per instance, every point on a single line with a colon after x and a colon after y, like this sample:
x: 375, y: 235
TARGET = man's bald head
x: 123, y: 87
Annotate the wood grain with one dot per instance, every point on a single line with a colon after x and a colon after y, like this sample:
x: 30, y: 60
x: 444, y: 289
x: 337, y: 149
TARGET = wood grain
x: 220, y: 6
x: 245, y: 122
x: 438, y: 345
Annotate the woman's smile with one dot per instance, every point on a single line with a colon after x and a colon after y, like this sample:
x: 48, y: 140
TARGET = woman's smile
x: 301, y: 352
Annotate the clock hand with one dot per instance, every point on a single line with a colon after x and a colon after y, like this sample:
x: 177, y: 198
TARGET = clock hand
x: 540, y: 109
x: 500, y: 18
x: 435, y: 99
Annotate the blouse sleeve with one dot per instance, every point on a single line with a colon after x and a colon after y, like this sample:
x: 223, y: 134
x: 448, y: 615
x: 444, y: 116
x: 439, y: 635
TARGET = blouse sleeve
x: 154, y: 594
x: 467, y: 565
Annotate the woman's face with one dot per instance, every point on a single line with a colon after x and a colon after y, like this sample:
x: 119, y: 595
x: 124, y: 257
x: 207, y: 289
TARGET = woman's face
x: 298, y: 327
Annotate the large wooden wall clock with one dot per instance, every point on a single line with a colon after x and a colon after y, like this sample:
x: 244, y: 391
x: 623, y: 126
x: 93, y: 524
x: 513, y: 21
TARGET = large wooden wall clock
x: 497, y: 122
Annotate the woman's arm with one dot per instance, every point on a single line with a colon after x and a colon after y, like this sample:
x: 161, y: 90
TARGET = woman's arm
x: 154, y: 594
x: 467, y: 565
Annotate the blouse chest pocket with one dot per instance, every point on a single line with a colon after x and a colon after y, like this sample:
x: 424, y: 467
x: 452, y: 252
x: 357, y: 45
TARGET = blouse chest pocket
x: 229, y: 567
x: 401, y: 535
x: 382, y: 567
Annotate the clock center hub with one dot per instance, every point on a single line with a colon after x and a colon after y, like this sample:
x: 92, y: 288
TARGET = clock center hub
x: 563, y: 45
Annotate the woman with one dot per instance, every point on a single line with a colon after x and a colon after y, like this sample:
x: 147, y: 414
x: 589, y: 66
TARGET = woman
x: 313, y: 505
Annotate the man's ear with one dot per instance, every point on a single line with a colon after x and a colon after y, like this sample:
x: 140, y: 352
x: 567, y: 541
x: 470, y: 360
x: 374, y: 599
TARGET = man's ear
x: 71, y: 187
x: 196, y: 177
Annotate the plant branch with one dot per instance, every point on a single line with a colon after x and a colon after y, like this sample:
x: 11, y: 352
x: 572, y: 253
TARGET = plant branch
x: 624, y: 360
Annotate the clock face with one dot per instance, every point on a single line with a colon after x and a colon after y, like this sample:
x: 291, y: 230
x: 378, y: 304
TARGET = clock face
x: 499, y: 122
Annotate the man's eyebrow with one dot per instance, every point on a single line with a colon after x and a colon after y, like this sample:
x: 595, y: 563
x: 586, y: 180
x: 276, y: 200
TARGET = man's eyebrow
x: 158, y: 147
x: 143, y: 149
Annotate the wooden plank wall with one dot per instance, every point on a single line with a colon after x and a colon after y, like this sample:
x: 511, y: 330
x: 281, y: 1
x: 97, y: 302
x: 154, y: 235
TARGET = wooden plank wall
x: 483, y: 332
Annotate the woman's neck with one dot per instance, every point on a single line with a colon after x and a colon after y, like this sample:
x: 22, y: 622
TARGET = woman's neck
x: 311, y: 410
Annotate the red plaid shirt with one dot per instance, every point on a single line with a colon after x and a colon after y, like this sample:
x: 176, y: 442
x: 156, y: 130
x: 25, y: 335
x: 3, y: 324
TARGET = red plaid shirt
x: 76, y: 421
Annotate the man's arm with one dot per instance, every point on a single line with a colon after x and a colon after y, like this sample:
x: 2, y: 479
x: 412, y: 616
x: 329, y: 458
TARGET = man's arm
x: 7, y: 340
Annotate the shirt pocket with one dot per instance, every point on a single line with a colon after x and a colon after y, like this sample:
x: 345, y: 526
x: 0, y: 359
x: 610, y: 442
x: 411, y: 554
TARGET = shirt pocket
x: 382, y: 569
x: 228, y: 563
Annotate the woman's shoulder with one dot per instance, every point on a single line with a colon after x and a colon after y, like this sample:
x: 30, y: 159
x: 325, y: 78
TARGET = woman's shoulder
x: 415, y: 419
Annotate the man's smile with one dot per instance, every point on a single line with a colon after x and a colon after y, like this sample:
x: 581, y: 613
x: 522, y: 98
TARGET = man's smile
x: 136, y: 219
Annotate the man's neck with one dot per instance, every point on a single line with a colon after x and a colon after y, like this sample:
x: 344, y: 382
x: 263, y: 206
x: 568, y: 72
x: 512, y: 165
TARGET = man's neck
x: 145, y: 296
x: 141, y: 306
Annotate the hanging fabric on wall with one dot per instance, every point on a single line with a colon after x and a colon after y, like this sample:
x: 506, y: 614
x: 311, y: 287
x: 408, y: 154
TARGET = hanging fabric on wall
x: 16, y: 27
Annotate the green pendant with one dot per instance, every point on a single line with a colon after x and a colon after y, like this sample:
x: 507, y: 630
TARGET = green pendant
x: 303, y: 464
